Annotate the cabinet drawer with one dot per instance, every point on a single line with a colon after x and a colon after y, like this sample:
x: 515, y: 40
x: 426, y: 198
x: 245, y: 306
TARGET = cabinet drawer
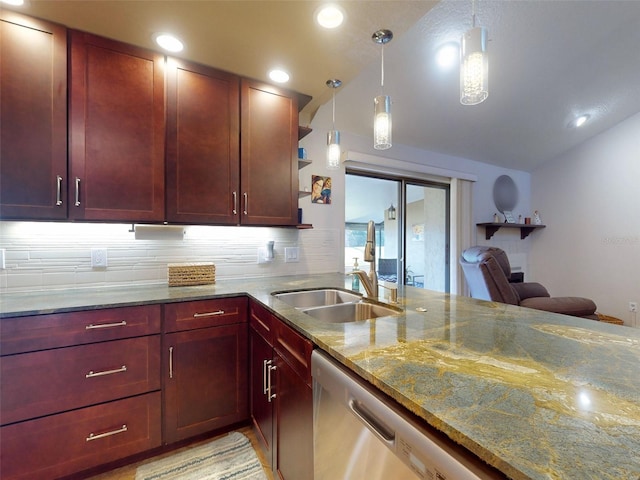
x: 261, y: 320
x: 294, y: 349
x: 51, y: 381
x: 39, y: 332
x: 62, y: 444
x: 204, y: 313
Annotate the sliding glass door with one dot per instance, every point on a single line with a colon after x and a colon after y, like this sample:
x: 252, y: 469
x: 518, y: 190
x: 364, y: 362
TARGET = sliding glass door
x: 412, y: 228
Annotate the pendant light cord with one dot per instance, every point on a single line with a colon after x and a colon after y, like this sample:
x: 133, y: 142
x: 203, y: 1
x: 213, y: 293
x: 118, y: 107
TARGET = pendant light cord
x: 333, y: 118
x: 381, y: 68
x: 473, y: 13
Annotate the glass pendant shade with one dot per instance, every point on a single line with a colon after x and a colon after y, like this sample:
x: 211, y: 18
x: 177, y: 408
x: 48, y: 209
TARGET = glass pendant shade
x: 333, y: 149
x: 474, y: 67
x: 382, y: 122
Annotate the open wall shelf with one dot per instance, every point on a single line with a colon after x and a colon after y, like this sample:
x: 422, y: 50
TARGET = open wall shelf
x: 525, y: 228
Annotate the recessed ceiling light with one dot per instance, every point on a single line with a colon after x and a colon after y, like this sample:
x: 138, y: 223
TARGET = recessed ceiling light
x: 330, y: 16
x: 168, y: 42
x: 15, y: 3
x: 279, y: 76
x: 579, y: 121
x: 448, y: 55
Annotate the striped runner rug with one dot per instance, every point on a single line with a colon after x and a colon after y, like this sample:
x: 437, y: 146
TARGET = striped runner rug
x: 228, y: 458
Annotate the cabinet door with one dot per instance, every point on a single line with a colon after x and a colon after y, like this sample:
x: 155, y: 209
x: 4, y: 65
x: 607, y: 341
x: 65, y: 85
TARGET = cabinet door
x: 260, y: 353
x: 293, y: 456
x: 203, y: 144
x: 206, y: 385
x: 33, y: 118
x: 268, y: 155
x: 117, y: 132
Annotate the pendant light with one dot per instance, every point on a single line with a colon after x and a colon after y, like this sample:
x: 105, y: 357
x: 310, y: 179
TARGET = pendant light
x: 474, y: 63
x: 382, y: 103
x: 333, y: 136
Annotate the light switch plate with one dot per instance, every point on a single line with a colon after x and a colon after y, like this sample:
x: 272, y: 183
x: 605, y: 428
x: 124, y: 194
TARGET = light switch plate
x: 291, y: 255
x: 3, y: 254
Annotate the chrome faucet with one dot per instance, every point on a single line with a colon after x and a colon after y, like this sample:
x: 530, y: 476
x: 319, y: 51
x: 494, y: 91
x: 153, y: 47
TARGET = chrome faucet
x: 370, y: 281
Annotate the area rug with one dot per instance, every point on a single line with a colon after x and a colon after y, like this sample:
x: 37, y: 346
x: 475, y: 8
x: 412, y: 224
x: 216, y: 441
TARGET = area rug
x: 228, y: 458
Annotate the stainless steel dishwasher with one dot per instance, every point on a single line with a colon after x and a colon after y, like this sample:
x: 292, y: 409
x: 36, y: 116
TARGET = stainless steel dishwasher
x: 359, y: 435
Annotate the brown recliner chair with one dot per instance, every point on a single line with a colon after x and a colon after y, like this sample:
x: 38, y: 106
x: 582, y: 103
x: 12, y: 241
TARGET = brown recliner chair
x: 487, y: 271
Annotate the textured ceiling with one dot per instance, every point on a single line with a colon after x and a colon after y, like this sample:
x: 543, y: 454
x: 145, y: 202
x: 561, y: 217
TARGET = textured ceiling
x: 549, y: 61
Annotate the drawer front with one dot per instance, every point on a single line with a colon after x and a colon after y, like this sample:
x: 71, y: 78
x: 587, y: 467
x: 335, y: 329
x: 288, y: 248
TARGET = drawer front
x: 51, y: 381
x: 204, y: 313
x: 261, y: 320
x: 294, y: 349
x: 39, y: 332
x: 70, y: 442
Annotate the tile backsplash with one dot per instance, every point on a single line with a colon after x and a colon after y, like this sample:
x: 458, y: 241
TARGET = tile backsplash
x: 46, y: 256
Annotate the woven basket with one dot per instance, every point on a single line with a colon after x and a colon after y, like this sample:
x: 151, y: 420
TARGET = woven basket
x: 183, y: 274
x: 609, y: 319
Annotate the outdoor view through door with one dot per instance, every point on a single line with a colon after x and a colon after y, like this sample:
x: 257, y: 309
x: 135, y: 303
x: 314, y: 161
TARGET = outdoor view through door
x: 412, y: 229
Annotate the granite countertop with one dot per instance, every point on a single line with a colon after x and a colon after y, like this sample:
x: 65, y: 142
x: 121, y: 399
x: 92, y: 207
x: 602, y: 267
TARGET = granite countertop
x: 537, y: 395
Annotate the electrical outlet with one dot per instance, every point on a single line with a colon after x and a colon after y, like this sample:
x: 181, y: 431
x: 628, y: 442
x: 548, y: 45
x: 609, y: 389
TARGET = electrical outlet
x: 291, y: 254
x: 99, y: 257
x: 633, y: 306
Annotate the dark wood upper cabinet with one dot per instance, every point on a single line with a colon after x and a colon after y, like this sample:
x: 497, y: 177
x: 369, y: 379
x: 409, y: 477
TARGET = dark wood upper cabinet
x: 116, y: 131
x: 268, y: 155
x: 203, y: 144
x: 33, y: 118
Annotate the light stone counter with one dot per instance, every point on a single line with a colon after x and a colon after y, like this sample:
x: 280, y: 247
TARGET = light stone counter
x: 537, y: 395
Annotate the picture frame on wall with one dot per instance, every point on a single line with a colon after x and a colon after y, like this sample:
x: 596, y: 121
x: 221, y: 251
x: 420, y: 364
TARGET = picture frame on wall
x: 508, y: 217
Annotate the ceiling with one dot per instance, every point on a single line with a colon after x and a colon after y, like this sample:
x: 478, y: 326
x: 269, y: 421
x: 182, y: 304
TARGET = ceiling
x: 548, y: 61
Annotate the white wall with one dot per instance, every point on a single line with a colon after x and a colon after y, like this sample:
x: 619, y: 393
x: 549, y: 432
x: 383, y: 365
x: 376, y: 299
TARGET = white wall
x: 589, y: 198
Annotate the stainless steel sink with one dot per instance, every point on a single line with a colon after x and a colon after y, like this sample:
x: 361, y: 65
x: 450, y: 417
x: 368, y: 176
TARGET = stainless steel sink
x: 317, y: 298
x: 350, y: 312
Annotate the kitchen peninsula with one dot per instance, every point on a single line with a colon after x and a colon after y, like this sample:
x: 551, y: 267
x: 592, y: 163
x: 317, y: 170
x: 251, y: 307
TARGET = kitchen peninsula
x: 536, y: 395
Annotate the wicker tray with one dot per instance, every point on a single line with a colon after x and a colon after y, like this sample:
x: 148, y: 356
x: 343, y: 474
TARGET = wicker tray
x: 183, y: 274
x: 609, y: 319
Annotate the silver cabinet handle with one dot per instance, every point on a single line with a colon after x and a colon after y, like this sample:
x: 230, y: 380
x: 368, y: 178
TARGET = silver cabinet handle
x: 93, y: 436
x: 235, y: 203
x: 59, y: 190
x: 91, y: 326
x: 264, y: 375
x: 208, y: 314
x: 170, y: 362
x: 270, y: 396
x: 93, y: 374
x: 246, y: 203
x: 77, y: 192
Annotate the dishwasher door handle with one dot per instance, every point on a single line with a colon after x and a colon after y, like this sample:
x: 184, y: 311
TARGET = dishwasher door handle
x: 377, y: 426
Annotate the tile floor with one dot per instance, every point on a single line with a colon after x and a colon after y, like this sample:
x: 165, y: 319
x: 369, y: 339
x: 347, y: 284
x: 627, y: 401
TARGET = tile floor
x: 128, y: 472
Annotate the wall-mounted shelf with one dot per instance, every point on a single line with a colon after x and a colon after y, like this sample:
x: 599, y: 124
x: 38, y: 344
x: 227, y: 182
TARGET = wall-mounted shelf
x: 302, y: 193
x: 304, y: 226
x: 303, y: 162
x: 525, y: 228
x: 303, y: 131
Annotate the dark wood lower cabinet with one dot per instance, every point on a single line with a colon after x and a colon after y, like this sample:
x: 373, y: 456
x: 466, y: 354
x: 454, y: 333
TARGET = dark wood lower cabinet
x: 206, y: 385
x: 281, y: 395
x: 293, y: 423
x: 59, y: 445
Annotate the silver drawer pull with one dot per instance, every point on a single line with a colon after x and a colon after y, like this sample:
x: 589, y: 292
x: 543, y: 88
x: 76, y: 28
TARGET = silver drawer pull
x: 93, y: 436
x: 91, y: 326
x: 208, y: 314
x: 92, y: 374
x: 77, y: 204
x: 58, y: 190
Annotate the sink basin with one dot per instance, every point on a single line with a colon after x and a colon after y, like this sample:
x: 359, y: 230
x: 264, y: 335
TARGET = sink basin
x: 350, y: 312
x: 317, y: 298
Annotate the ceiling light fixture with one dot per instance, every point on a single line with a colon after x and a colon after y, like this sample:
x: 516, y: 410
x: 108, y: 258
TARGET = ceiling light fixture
x: 579, y: 121
x: 333, y: 136
x: 474, y: 63
x: 15, y: 3
x: 279, y: 76
x: 169, y: 42
x: 382, y: 103
x: 330, y: 16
